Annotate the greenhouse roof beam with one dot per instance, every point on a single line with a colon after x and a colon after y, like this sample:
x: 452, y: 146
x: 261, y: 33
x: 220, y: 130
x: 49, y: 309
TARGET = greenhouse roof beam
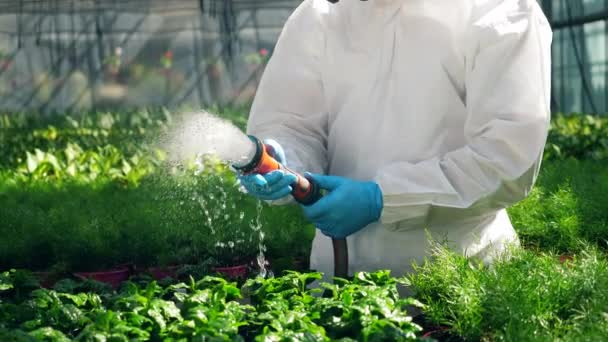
x: 582, y: 20
x: 138, y: 6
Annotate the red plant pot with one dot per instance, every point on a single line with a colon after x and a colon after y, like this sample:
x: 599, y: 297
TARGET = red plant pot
x: 436, y: 332
x: 565, y: 258
x: 160, y: 273
x: 113, y: 277
x: 232, y: 272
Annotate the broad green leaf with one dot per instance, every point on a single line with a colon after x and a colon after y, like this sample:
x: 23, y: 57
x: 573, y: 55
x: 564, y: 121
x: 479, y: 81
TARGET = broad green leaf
x: 49, y: 334
x: 31, y: 162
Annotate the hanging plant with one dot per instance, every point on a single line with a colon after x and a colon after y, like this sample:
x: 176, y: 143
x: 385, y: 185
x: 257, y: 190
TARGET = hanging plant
x: 257, y: 58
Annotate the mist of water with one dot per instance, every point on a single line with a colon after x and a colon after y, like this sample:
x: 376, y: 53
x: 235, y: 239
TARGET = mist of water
x: 201, y: 133
x: 197, y: 134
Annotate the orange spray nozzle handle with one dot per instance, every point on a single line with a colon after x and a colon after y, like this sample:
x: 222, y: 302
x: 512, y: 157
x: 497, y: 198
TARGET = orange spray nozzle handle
x: 305, y: 189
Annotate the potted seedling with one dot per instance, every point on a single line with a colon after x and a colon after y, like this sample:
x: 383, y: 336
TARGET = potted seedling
x: 255, y: 62
x: 166, y: 62
x: 112, y: 93
x: 113, y: 63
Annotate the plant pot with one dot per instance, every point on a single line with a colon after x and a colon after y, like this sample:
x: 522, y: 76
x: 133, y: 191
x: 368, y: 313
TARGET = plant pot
x: 111, y: 93
x: 437, y: 333
x: 113, y: 277
x: 232, y: 272
x: 160, y: 273
x: 565, y: 258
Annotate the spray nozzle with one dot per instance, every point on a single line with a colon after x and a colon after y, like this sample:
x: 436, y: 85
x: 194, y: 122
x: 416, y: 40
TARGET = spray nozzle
x: 262, y: 161
x: 305, y: 191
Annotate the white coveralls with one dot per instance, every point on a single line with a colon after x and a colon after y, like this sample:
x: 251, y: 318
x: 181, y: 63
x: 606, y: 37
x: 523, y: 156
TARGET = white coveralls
x: 444, y: 103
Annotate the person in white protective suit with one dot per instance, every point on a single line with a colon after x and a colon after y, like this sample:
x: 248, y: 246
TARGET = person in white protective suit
x: 426, y: 115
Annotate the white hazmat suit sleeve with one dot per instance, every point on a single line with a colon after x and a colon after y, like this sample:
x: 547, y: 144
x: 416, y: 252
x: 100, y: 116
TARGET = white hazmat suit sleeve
x: 289, y: 104
x: 508, y: 108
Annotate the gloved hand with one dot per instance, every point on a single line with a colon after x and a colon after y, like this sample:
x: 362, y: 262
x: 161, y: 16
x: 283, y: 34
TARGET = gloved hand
x: 349, y: 206
x: 273, y: 185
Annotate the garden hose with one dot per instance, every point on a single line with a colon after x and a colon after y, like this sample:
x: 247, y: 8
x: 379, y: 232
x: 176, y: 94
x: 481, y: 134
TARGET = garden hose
x: 305, y: 191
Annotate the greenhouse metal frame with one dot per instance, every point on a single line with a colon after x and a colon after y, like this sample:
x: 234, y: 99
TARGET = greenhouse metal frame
x: 57, y: 51
x: 54, y: 54
x: 580, y: 55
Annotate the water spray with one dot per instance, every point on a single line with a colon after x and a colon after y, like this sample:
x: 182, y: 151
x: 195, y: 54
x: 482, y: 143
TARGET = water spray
x: 305, y: 191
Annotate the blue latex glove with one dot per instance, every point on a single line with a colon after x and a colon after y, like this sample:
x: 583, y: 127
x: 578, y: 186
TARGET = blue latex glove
x: 273, y: 185
x: 349, y: 206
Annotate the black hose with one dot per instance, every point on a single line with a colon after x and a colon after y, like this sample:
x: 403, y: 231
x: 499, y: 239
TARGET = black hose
x: 340, y: 258
x: 313, y: 194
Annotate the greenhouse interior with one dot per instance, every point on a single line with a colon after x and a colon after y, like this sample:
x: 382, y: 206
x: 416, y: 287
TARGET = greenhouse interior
x: 160, y: 176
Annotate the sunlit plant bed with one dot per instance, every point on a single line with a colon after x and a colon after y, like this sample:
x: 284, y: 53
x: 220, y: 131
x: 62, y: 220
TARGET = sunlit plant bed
x: 286, y: 308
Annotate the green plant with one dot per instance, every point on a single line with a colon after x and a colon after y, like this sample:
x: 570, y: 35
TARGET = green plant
x: 282, y: 309
x: 257, y: 58
x: 566, y: 207
x: 577, y: 136
x: 114, y: 61
x: 166, y: 61
x: 522, y: 296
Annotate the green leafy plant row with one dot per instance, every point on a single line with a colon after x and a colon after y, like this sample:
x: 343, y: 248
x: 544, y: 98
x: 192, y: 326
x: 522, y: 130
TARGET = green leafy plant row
x: 171, y: 217
x: 575, y: 135
x: 85, y: 166
x: 130, y: 119
x: 128, y: 131
x: 523, y: 296
x: 567, y: 208
x: 578, y: 136
x: 368, y: 308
